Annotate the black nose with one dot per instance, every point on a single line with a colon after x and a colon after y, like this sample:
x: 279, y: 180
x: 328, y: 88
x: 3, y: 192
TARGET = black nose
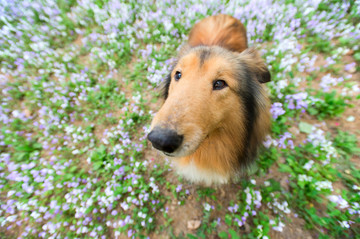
x: 165, y: 139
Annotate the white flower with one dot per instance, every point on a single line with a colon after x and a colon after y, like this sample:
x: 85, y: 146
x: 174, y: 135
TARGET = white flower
x: 10, y: 193
x: 142, y: 215
x: 308, y: 165
x: 323, y: 185
x: 35, y: 214
x: 207, y: 207
x: 124, y: 206
x: 105, y: 141
x: 279, y: 227
x: 67, y: 57
x: 303, y: 177
x: 84, y: 230
x: 344, y: 224
x: 284, y: 207
x: 76, y: 151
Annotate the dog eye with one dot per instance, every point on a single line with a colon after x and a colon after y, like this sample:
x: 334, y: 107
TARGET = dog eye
x: 177, y: 75
x: 219, y: 84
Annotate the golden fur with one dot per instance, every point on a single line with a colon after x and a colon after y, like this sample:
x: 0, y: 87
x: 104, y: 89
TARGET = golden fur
x: 222, y: 129
x: 221, y: 30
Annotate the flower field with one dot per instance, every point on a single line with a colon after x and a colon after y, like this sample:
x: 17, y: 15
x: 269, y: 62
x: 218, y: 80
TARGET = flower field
x: 79, y: 87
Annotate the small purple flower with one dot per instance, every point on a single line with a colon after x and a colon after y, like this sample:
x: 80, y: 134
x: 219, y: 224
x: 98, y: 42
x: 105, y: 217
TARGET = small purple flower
x: 178, y: 188
x: 122, y: 223
x: 297, y: 101
x: 130, y: 232
x: 65, y: 207
x: 276, y: 110
x: 286, y: 137
x: 328, y: 80
x: 240, y: 223
x: 234, y: 208
x: 337, y: 199
x: 42, y: 234
x: 348, y: 67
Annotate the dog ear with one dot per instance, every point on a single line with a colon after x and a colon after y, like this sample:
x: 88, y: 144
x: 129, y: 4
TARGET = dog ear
x: 251, y: 60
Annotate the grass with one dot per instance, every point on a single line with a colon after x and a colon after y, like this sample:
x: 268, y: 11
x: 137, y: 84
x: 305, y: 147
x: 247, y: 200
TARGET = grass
x: 79, y: 87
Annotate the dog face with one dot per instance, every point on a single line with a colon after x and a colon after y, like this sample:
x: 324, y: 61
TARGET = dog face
x: 210, y: 89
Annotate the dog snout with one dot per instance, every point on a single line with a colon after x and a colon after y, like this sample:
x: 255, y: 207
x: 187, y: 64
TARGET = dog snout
x: 165, y: 140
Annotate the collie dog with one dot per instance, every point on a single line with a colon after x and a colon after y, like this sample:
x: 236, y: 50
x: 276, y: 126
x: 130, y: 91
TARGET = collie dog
x: 216, y: 112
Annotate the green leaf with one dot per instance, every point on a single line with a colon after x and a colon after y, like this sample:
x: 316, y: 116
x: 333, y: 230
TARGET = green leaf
x: 191, y: 236
x: 357, y: 56
x: 234, y: 234
x: 305, y: 127
x: 312, y: 111
x: 73, y: 169
x: 285, y: 168
x: 228, y: 219
x: 223, y: 235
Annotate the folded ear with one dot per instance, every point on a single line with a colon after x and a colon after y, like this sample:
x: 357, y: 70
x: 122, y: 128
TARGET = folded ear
x: 251, y: 60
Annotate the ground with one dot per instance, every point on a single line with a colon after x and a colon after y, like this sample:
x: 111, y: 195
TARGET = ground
x: 79, y: 86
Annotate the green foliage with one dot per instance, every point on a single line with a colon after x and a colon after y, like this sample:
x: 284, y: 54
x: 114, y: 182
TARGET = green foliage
x: 346, y: 144
x: 329, y: 105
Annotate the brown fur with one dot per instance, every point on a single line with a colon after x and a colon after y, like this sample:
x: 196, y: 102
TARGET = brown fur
x: 221, y: 30
x: 222, y: 129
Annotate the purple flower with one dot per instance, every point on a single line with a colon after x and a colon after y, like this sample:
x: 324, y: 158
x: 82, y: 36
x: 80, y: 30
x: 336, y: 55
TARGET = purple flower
x: 297, y: 101
x: 286, y: 137
x: 234, y: 208
x: 337, y: 199
x: 130, y: 232
x: 348, y: 67
x: 276, y: 110
x: 122, y: 223
x: 328, y: 81
x: 178, y: 188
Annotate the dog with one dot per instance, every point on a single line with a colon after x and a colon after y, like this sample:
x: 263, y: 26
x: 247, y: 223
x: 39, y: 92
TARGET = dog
x: 216, y: 112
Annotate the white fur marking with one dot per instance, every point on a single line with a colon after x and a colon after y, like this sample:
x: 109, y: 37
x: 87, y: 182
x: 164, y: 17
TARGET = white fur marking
x: 194, y: 174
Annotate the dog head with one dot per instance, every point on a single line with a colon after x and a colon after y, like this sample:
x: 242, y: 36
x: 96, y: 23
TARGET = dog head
x: 210, y: 89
